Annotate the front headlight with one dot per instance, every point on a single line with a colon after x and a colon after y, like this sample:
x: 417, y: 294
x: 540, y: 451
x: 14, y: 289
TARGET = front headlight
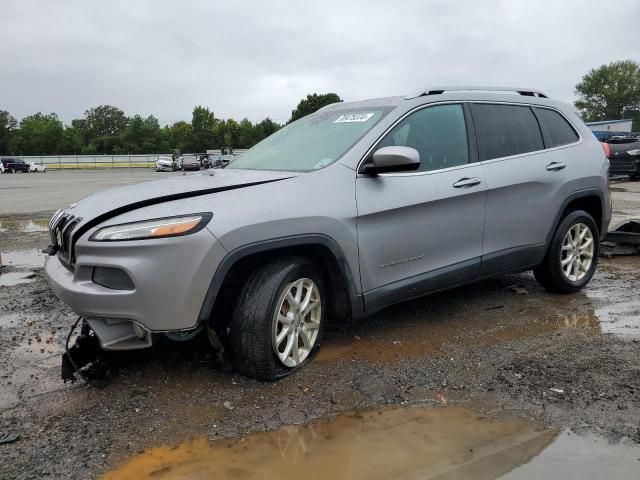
x: 635, y: 151
x: 155, y: 228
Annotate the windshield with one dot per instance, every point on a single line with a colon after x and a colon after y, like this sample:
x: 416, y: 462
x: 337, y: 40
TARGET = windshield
x: 312, y: 142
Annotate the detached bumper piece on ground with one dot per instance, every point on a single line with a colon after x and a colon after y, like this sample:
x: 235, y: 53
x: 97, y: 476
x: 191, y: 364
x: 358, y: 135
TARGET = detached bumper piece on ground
x: 85, y: 359
x: 623, y: 239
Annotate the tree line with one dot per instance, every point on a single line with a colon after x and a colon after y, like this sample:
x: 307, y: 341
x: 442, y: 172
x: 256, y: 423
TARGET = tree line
x: 107, y: 130
x: 608, y: 92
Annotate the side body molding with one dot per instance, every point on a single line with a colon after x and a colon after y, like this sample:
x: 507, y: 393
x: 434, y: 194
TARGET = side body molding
x: 356, y: 301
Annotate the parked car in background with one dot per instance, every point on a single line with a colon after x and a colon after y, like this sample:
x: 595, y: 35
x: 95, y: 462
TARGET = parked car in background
x: 37, y: 167
x: 14, y: 164
x: 346, y: 211
x: 189, y: 162
x: 1, y: 167
x: 624, y: 157
x: 166, y: 164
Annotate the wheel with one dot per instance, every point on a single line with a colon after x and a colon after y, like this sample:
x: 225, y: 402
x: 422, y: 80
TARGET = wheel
x: 12, y: 170
x: 572, y: 256
x: 278, y: 322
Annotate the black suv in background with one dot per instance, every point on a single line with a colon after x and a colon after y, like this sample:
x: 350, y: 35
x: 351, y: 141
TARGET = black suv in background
x: 624, y: 156
x: 13, y: 164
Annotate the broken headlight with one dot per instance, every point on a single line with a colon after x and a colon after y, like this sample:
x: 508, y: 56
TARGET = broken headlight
x: 155, y: 228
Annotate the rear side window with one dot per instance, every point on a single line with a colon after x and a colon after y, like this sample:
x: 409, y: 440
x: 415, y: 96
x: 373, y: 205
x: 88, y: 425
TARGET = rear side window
x: 505, y: 130
x: 556, y: 129
x: 438, y: 133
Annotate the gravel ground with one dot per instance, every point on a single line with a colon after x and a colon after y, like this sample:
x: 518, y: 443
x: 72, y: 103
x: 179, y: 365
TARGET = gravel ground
x: 503, y: 345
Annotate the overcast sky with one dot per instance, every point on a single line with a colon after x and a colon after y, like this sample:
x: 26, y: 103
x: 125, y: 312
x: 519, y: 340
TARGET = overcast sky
x: 257, y: 59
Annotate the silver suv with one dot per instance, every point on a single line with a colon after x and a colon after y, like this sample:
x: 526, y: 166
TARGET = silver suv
x: 351, y: 209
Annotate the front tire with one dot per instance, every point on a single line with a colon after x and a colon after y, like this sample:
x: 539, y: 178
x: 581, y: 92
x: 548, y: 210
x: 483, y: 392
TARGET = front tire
x: 572, y: 256
x: 278, y: 322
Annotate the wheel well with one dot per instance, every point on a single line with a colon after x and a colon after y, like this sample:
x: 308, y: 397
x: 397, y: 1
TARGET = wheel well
x: 339, y: 306
x: 590, y: 204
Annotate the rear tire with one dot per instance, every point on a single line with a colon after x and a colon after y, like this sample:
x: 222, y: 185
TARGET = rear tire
x: 572, y: 256
x: 278, y: 321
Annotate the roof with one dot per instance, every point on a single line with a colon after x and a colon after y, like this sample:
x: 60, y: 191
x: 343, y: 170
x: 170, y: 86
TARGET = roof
x: 610, y: 122
x: 528, y: 92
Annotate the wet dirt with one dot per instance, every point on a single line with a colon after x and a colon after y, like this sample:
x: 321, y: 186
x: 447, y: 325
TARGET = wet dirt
x: 567, y: 362
x: 420, y: 443
x: 9, y: 279
x: 23, y: 225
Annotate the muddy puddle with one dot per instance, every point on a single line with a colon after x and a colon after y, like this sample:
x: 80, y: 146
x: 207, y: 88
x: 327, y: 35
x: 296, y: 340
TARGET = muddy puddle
x: 20, y: 263
x: 24, y: 226
x: 33, y: 258
x: 9, y: 279
x: 402, y: 443
x: 381, y: 444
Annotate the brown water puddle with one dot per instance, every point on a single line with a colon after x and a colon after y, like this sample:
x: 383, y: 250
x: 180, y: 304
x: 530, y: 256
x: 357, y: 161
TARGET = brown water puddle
x: 24, y: 226
x: 407, y: 443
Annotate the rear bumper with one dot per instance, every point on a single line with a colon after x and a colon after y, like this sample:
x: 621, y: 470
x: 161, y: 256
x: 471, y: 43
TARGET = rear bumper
x: 170, y: 278
x: 624, y: 165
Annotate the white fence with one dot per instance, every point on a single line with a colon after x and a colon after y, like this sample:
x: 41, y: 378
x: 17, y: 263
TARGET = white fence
x: 63, y: 162
x: 69, y: 162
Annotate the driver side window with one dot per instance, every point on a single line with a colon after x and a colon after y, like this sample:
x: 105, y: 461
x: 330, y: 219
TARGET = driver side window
x: 438, y: 133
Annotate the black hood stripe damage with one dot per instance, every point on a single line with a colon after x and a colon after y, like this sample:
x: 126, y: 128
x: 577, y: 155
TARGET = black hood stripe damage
x: 166, y: 198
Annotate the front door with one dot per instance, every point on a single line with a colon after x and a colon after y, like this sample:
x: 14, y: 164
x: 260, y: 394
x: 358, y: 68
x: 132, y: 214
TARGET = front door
x: 422, y: 230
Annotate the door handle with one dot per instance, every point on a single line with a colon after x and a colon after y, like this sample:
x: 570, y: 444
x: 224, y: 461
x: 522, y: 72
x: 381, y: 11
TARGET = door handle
x: 554, y: 166
x: 467, y: 182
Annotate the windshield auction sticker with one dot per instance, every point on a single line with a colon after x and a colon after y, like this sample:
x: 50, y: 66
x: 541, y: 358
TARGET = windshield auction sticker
x: 353, y: 117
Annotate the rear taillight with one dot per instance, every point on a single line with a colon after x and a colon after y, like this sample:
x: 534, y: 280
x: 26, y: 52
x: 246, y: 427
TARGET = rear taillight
x: 606, y: 148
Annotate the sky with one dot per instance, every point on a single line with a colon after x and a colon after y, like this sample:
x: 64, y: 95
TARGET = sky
x: 257, y: 59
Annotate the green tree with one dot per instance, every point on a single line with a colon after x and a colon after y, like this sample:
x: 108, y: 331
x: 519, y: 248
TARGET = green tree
x: 203, y: 124
x: 267, y: 127
x: 142, y: 135
x: 105, y: 121
x: 246, y: 134
x: 611, y: 92
x: 39, y: 134
x: 8, y: 125
x: 312, y: 103
x: 71, y: 143
x: 179, y: 136
x: 230, y: 133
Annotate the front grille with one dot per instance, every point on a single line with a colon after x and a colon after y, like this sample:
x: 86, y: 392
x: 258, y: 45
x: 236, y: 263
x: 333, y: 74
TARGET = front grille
x: 61, y: 231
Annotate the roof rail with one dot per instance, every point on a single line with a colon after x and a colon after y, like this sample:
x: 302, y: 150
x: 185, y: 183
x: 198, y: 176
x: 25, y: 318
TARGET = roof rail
x: 527, y: 92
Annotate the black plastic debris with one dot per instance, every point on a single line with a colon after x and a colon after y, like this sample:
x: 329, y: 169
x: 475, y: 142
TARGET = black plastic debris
x: 623, y: 239
x: 8, y: 437
x: 85, y: 359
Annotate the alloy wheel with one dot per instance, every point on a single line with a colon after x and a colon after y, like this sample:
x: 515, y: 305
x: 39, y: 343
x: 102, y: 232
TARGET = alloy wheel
x: 296, y: 322
x: 577, y: 252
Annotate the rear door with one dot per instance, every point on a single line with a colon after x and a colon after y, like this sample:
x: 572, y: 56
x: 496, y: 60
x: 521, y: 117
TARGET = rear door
x: 527, y: 171
x: 422, y: 230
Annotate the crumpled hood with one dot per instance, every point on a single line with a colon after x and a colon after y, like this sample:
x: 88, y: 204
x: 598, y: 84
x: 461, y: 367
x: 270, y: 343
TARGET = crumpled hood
x: 101, y: 206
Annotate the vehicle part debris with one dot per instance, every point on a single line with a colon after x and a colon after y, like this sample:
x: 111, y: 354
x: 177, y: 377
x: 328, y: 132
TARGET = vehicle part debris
x: 8, y: 437
x: 85, y: 358
x: 623, y: 239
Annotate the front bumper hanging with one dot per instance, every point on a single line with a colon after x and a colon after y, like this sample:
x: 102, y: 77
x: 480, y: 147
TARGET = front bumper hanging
x: 85, y: 359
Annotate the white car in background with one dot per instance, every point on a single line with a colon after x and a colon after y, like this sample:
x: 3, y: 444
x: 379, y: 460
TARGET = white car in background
x: 37, y: 167
x: 166, y: 164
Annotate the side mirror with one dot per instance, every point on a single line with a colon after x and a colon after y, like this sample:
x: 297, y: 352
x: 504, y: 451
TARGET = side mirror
x: 392, y: 159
